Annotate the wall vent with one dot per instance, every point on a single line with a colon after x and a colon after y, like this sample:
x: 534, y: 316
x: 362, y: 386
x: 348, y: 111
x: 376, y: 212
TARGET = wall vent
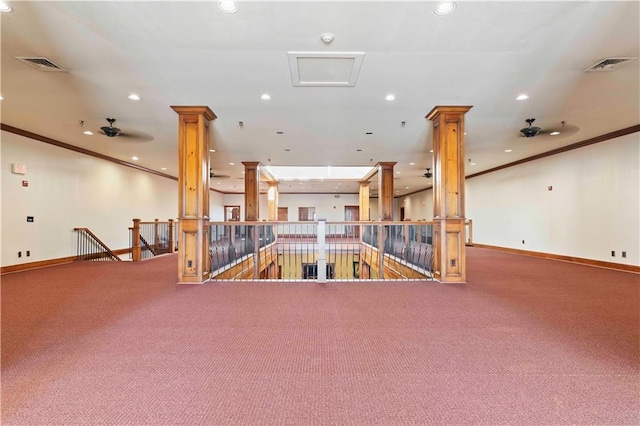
x: 41, y: 63
x: 610, y: 64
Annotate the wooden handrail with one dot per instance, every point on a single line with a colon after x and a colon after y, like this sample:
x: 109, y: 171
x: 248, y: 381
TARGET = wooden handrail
x: 99, y: 241
x: 146, y: 244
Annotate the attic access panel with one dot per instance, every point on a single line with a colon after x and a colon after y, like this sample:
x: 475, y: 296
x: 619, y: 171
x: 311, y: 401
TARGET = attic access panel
x: 325, y: 69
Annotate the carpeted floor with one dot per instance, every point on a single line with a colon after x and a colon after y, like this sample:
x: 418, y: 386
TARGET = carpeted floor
x: 527, y: 341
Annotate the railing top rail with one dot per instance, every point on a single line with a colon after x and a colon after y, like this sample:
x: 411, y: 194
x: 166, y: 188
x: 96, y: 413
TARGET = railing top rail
x: 283, y: 222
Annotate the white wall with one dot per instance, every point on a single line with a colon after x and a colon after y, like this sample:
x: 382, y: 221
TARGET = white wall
x: 216, y: 206
x: 418, y: 206
x: 67, y: 190
x: 327, y: 206
x: 592, y: 209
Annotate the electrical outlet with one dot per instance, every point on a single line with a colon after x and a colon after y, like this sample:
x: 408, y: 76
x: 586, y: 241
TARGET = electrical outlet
x: 28, y: 253
x: 624, y: 254
x: 19, y: 254
x: 522, y: 241
x: 613, y: 253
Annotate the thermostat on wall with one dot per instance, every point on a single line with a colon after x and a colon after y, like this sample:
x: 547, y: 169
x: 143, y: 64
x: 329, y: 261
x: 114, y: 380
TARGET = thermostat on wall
x: 19, y: 169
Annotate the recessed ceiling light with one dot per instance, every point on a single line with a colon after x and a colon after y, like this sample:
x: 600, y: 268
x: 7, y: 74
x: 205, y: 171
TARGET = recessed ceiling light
x: 554, y: 133
x: 243, y: 172
x: 1, y: 98
x: 508, y: 150
x: 472, y: 164
x: 412, y: 164
x: 522, y: 97
x: 163, y: 168
x: 134, y: 158
x: 265, y: 97
x: 406, y: 187
x: 88, y: 132
x: 4, y: 7
x: 390, y: 97
x: 232, y: 164
x: 212, y: 150
x: 445, y: 8
x: 397, y: 173
x: 228, y: 6
x: 134, y: 97
x: 430, y: 150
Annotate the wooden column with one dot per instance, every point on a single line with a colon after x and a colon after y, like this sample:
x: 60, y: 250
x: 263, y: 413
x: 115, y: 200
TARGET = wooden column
x: 385, y: 190
x: 193, y: 193
x: 364, y: 201
x: 448, y: 192
x: 252, y: 191
x: 272, y: 200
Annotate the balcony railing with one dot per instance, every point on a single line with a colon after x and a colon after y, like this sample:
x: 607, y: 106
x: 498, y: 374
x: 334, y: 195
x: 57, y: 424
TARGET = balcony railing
x: 150, y: 239
x: 334, y: 251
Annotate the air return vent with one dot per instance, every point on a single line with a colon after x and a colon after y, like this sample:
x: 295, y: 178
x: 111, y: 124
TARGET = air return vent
x: 610, y: 64
x: 41, y: 63
x: 325, y: 69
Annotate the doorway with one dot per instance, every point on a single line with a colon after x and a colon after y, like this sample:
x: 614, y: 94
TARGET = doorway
x: 231, y: 213
x: 283, y: 214
x: 352, y: 214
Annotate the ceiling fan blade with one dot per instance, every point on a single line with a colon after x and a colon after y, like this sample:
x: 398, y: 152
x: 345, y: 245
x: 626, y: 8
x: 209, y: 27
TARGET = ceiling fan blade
x: 135, y: 137
x: 561, y: 130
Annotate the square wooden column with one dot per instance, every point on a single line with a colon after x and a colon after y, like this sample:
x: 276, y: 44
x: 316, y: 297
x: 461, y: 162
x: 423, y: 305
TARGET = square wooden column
x: 448, y: 193
x: 364, y: 201
x: 272, y: 200
x: 252, y: 191
x: 193, y: 193
x: 385, y: 190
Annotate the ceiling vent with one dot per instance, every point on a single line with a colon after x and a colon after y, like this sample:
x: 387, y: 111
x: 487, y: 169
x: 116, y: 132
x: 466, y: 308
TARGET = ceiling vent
x: 325, y: 69
x: 41, y: 63
x: 610, y: 64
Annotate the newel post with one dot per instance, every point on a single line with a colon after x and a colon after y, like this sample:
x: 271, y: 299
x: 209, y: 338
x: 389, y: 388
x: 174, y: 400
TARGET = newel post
x: 172, y: 242
x: 156, y: 236
x: 136, y: 251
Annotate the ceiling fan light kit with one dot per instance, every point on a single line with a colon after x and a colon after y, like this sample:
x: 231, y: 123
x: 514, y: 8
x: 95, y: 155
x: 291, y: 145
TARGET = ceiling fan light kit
x: 531, y: 131
x: 109, y: 130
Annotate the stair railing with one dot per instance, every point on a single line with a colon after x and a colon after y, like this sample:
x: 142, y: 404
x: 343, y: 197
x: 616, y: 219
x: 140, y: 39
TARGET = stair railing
x: 90, y: 247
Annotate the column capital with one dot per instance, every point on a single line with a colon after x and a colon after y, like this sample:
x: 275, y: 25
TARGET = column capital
x: 444, y: 109
x: 195, y: 110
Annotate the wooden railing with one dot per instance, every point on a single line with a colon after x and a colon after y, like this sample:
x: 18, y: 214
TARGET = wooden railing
x: 150, y: 239
x: 90, y: 247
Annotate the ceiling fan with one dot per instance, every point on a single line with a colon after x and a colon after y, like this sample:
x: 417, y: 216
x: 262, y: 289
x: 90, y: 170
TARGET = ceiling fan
x: 531, y: 131
x: 111, y: 131
x: 213, y: 175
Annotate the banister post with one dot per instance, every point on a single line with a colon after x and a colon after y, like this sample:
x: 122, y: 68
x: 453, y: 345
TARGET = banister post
x: 172, y: 243
x: 136, y: 251
x: 156, y: 237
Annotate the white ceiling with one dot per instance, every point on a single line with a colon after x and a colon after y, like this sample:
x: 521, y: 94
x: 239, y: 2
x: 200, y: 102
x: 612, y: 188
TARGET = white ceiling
x: 190, y: 53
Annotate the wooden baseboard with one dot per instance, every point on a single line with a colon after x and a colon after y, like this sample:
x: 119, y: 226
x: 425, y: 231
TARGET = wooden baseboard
x: 572, y: 259
x: 49, y: 262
